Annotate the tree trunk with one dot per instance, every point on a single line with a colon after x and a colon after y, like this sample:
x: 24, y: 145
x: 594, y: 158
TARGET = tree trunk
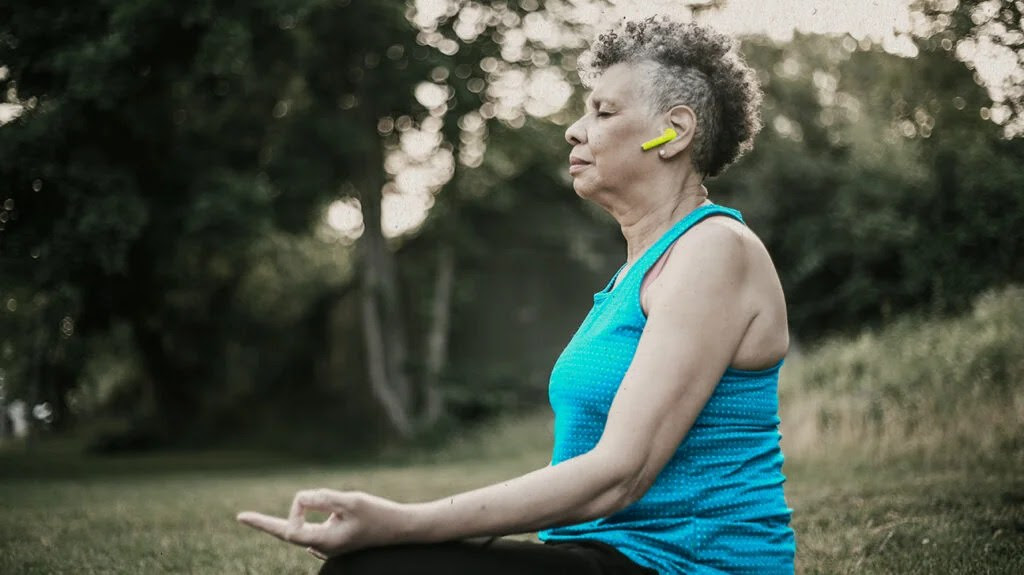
x: 386, y: 383
x: 437, y: 337
x: 383, y: 326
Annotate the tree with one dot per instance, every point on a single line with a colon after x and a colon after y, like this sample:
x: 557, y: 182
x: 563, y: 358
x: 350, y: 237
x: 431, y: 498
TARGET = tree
x: 976, y: 31
x: 861, y: 188
x: 132, y: 201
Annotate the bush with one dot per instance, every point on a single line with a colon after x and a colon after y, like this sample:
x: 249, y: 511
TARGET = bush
x: 940, y: 389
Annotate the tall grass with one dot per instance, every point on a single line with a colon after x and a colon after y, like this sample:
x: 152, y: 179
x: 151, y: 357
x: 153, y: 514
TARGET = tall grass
x: 941, y: 390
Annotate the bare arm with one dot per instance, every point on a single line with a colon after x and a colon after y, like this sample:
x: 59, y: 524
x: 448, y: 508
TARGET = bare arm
x: 593, y: 485
x: 696, y: 321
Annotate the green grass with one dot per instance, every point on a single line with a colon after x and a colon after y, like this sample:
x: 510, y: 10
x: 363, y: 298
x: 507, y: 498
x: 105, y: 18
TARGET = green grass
x: 127, y: 516
x: 182, y: 521
x: 885, y: 519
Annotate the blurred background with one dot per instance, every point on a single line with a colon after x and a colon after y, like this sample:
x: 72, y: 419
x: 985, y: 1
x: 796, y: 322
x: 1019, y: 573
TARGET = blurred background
x: 309, y: 223
x: 278, y: 223
x: 343, y: 230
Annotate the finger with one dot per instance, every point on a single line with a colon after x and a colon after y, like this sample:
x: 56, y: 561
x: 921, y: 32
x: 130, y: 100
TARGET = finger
x: 275, y: 526
x: 306, y: 534
x: 315, y: 499
x: 316, y: 554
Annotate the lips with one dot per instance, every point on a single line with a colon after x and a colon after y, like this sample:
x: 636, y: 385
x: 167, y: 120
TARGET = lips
x: 577, y: 164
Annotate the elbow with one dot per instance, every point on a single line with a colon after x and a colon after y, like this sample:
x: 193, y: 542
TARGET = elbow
x: 627, y: 480
x: 632, y: 488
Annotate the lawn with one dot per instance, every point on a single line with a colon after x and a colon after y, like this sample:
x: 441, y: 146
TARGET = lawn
x: 66, y: 513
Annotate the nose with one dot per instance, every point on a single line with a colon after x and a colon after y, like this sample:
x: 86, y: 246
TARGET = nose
x: 576, y: 134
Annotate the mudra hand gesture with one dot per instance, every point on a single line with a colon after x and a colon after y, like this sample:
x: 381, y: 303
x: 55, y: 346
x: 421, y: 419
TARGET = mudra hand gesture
x: 356, y: 520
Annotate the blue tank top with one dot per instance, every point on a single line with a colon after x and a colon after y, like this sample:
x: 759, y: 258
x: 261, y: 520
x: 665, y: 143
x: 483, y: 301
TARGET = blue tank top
x: 718, y: 504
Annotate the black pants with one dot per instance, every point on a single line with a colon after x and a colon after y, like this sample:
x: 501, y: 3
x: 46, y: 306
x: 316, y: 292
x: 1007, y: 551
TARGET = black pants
x: 502, y: 557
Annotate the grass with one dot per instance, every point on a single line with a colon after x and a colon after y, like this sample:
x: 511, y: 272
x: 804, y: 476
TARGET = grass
x: 905, y: 455
x: 122, y: 516
x: 182, y: 521
x: 900, y: 520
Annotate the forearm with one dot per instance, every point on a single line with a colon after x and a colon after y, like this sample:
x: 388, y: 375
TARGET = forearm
x: 577, y: 490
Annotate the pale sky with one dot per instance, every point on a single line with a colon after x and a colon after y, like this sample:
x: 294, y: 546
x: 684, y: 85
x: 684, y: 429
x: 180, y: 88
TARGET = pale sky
x: 779, y: 18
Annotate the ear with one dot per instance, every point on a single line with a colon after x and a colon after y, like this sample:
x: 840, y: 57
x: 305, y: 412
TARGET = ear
x: 683, y: 120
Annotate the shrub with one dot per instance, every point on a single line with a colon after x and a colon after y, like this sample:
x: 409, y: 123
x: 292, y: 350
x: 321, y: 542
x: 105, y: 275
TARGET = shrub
x: 940, y: 389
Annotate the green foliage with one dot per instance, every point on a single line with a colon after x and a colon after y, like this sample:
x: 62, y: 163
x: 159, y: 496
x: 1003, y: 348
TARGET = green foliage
x: 877, y: 186
x: 148, y: 188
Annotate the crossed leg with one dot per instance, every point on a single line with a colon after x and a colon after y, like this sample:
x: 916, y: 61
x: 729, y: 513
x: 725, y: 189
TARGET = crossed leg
x: 502, y: 557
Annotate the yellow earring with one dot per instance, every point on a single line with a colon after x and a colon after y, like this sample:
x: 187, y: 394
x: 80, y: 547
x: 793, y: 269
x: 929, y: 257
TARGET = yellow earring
x: 664, y: 138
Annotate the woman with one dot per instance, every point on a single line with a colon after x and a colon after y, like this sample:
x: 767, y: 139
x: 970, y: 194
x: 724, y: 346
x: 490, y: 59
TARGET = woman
x: 666, y: 454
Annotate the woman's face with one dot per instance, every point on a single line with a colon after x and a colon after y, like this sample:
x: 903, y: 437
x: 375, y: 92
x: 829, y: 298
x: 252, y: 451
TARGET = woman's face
x: 606, y: 153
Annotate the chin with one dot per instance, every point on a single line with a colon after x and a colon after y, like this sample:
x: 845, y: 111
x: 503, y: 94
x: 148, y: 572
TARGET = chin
x: 582, y: 190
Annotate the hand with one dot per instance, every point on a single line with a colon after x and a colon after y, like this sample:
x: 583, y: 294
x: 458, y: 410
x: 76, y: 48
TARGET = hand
x: 357, y: 520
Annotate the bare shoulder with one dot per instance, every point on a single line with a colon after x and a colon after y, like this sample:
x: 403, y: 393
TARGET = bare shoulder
x: 719, y: 246
x: 727, y: 237
x: 758, y: 296
x: 708, y: 261
x: 726, y: 230
x: 720, y: 261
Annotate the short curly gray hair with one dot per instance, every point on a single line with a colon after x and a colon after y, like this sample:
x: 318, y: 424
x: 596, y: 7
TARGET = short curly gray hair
x: 692, y: 65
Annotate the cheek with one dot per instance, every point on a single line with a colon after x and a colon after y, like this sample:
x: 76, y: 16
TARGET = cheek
x: 618, y: 150
x: 619, y: 139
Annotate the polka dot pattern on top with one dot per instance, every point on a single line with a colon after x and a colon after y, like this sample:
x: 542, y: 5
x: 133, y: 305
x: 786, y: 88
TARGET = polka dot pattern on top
x: 717, y: 506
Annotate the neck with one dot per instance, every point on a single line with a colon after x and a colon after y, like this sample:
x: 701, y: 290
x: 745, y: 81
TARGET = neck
x: 647, y: 213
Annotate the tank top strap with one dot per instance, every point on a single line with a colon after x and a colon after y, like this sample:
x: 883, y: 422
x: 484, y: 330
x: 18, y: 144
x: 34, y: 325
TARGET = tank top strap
x: 643, y: 265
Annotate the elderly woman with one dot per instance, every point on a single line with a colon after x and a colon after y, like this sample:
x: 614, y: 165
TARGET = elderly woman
x: 666, y: 445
